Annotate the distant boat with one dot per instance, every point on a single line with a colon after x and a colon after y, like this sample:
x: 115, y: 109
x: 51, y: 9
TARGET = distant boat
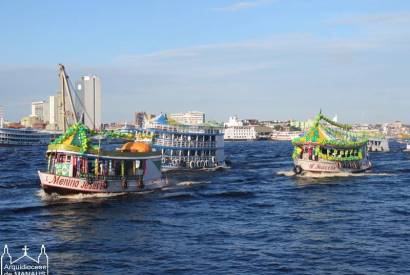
x: 281, y: 135
x: 329, y: 147
x: 407, y: 147
x: 23, y: 137
x: 376, y: 144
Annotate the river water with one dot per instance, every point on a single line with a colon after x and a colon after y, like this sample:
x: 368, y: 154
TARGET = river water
x: 254, y: 218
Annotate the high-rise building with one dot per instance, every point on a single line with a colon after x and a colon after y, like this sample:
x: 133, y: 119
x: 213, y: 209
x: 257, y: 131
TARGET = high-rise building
x: 1, y: 113
x: 189, y: 118
x: 139, y: 118
x: 88, y: 102
x: 53, y: 109
x: 37, y: 109
x: 46, y: 111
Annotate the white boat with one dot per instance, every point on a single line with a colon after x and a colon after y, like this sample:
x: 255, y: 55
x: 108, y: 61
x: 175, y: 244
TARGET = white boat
x: 281, y: 135
x: 376, y: 144
x: 184, y: 146
x: 23, y: 137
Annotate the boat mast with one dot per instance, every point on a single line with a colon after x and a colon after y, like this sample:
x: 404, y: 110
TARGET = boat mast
x: 65, y: 89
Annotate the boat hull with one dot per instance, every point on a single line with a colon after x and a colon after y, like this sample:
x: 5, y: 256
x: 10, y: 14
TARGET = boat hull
x: 324, y: 166
x: 68, y: 185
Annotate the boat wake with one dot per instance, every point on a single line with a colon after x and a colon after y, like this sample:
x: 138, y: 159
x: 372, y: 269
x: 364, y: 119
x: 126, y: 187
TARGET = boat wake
x: 286, y: 173
x: 306, y: 174
x: 77, y: 197
x: 191, y: 183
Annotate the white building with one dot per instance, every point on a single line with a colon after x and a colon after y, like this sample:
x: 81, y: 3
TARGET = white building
x: 240, y: 133
x: 235, y: 130
x: 37, y: 109
x: 233, y: 122
x: 189, y: 118
x: 89, y: 101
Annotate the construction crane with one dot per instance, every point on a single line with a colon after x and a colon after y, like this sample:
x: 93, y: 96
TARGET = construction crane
x: 68, y: 110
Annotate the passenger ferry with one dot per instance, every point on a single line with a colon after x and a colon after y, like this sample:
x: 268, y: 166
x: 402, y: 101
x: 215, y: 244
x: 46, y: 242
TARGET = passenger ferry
x: 23, y: 137
x: 76, y: 165
x: 378, y: 144
x: 281, y: 135
x: 330, y: 147
x: 184, y: 146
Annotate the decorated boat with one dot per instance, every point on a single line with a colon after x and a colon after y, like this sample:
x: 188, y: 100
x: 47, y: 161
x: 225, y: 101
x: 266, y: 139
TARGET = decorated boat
x: 330, y: 147
x: 184, y: 146
x: 78, y: 164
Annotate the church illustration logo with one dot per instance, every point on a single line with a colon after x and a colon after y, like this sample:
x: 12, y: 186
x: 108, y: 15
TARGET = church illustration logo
x: 25, y: 264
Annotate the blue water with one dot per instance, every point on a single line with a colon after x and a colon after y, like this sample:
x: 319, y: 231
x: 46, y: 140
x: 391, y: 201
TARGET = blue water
x: 250, y: 219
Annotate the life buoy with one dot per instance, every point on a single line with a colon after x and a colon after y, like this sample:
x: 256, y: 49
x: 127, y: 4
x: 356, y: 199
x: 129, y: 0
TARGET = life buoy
x: 198, y: 164
x: 163, y: 161
x: 192, y: 164
x: 206, y: 163
x: 297, y: 169
x: 213, y: 159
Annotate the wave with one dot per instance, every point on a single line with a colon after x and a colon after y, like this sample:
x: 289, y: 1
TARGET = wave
x: 230, y: 194
x: 76, y: 197
x: 307, y: 174
x: 179, y: 197
x: 286, y: 173
x: 21, y: 185
x: 191, y: 183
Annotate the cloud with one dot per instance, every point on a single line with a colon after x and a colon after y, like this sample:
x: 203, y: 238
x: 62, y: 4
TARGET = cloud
x: 243, y: 5
x: 276, y: 77
x: 374, y: 19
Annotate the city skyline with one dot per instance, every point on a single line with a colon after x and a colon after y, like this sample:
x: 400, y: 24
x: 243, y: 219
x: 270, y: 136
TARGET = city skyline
x: 257, y: 59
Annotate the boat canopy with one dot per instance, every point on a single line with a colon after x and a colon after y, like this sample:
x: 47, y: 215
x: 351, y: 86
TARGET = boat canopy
x: 161, y: 119
x: 328, y: 133
x: 78, y: 139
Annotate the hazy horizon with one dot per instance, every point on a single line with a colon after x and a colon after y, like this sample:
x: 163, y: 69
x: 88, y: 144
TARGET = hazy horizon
x: 263, y: 59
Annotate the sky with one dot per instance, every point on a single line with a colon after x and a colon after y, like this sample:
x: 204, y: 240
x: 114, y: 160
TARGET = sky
x: 264, y: 59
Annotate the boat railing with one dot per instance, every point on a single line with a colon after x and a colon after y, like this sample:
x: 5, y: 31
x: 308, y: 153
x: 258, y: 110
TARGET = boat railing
x: 185, y: 143
x: 92, y: 177
x: 191, y: 129
x: 189, y: 158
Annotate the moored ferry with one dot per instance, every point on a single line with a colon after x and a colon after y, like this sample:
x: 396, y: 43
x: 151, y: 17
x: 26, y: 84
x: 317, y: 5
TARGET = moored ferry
x: 330, y: 147
x: 23, y: 137
x: 378, y: 144
x: 184, y: 146
x: 76, y: 165
x: 280, y: 135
